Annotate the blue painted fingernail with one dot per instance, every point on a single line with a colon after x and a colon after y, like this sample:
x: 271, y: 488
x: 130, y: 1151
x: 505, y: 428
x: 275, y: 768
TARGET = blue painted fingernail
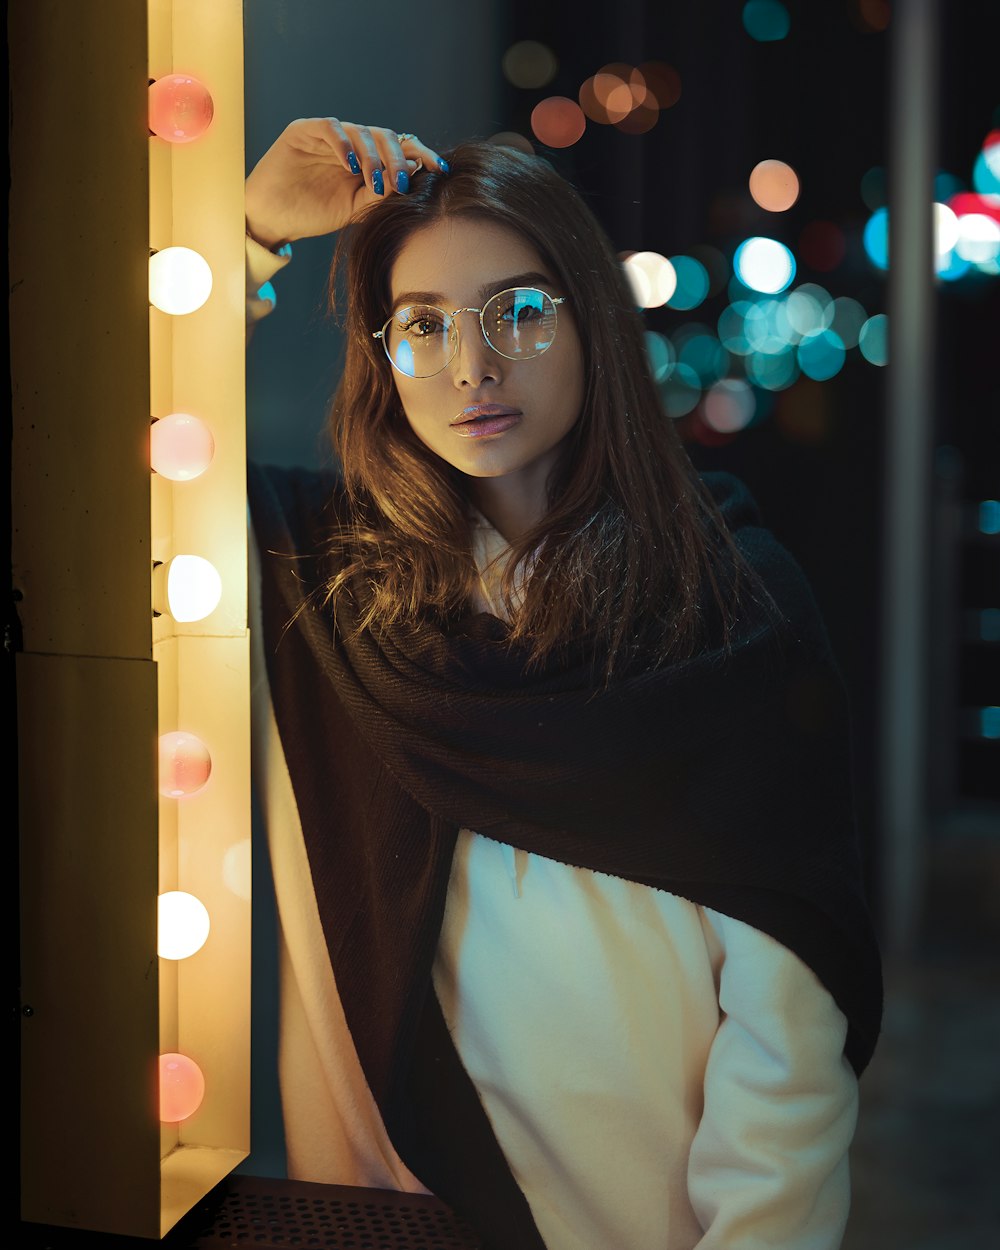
x: 402, y: 182
x: 377, y: 182
x: 444, y: 166
x: 352, y: 160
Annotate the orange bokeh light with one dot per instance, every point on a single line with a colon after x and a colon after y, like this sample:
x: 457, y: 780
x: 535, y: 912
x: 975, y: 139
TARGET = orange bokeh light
x: 558, y: 122
x: 774, y: 186
x: 662, y: 81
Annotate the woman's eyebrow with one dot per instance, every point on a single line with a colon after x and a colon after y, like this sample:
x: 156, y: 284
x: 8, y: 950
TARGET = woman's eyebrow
x: 438, y: 299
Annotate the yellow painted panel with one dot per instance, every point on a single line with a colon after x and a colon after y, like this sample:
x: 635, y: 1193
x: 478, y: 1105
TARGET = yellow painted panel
x: 89, y: 1114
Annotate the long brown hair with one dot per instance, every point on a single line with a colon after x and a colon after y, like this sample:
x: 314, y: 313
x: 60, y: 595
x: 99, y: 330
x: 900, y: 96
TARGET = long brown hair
x: 632, y: 545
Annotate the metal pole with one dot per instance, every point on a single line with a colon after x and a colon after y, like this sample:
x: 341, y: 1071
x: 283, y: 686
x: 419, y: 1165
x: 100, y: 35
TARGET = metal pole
x: 908, y: 453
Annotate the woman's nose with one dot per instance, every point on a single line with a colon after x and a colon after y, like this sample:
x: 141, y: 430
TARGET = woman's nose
x: 475, y: 361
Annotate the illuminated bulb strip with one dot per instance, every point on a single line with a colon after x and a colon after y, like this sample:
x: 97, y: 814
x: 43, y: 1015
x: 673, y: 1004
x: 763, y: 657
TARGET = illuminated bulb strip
x: 180, y: 108
x: 185, y: 764
x: 181, y: 446
x: 188, y: 588
x: 182, y: 925
x: 182, y: 1087
x: 180, y: 280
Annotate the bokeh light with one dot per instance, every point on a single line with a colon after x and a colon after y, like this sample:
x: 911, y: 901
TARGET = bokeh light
x: 681, y: 391
x: 988, y: 518
x: 821, y: 355
x: 691, y: 282
x: 978, y: 238
x: 660, y: 354
x: 767, y: 327
x: 651, y: 278
x: 972, y: 202
x: 986, y: 170
x: 873, y: 341
x: 875, y: 188
x: 945, y: 229
x: 529, y: 63
x: 662, y: 80
x: 729, y: 405
x: 766, y: 20
x: 180, y: 108
x: 873, y: 15
x: 512, y: 139
x: 772, y: 372
x: 732, y: 328
x: 558, y: 122
x: 182, y: 925
x: 764, y: 265
x: 181, y: 446
x: 809, y: 309
x: 848, y: 318
x: 237, y: 869
x: 702, y: 352
x: 182, y: 1088
x: 774, y: 185
x: 185, y: 764
x: 822, y: 245
x: 876, y: 238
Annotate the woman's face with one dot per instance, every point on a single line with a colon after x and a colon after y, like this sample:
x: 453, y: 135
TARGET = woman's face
x: 460, y: 262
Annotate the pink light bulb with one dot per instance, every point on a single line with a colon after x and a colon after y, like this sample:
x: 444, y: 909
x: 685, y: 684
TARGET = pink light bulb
x: 181, y: 447
x: 185, y: 764
x: 182, y: 1087
x: 180, y: 108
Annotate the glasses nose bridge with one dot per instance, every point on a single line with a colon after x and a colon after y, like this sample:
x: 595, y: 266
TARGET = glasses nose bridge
x: 482, y: 330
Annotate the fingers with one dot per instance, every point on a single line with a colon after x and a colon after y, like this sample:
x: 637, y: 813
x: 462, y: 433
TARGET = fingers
x: 387, y: 160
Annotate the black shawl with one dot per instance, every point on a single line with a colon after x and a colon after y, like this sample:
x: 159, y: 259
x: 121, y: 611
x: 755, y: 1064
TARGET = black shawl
x: 724, y: 779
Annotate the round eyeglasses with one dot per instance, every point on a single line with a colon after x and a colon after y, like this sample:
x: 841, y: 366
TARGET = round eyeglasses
x: 518, y: 323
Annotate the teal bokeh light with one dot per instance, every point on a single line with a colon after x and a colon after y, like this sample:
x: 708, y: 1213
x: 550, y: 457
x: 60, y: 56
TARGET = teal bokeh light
x: 876, y: 238
x: 873, y: 341
x: 821, y: 356
x: 766, y: 20
x: 681, y: 391
x: 986, y: 175
x: 705, y: 355
x: 989, y: 516
x: 692, y: 283
x: 772, y: 373
x: 660, y: 354
x: 764, y: 265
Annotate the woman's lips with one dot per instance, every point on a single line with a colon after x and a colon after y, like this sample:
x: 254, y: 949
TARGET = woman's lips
x: 481, y: 420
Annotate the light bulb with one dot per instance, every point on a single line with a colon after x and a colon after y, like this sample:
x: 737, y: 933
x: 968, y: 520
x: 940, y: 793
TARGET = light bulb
x: 187, y: 587
x: 180, y: 280
x: 185, y: 764
x: 181, y: 446
x: 180, y: 108
x: 182, y: 1087
x: 182, y: 925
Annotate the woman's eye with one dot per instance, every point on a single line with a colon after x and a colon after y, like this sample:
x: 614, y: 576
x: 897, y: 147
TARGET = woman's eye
x: 423, y: 327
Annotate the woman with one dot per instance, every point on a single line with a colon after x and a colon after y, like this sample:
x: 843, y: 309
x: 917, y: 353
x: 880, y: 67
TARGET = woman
x: 554, y: 754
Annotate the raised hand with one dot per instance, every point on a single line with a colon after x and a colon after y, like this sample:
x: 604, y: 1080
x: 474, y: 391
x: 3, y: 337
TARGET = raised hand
x: 320, y: 172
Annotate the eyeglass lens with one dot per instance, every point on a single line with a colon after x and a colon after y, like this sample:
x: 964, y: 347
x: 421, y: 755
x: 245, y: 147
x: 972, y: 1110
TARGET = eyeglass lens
x: 519, y: 323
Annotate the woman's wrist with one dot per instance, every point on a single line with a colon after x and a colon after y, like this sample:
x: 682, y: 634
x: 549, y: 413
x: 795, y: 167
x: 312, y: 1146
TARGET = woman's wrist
x: 264, y: 237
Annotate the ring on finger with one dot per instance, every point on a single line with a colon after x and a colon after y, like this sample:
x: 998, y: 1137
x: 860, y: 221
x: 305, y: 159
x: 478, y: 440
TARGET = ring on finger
x: 402, y: 138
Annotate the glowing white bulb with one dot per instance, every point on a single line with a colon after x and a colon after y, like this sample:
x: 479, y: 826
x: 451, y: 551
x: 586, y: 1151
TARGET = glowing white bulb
x: 181, y: 446
x: 185, y: 764
x: 182, y: 1087
x: 187, y: 587
x: 182, y: 925
x: 180, y: 280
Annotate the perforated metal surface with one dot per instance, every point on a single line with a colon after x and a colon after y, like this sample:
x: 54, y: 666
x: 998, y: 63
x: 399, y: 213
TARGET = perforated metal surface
x: 256, y: 1214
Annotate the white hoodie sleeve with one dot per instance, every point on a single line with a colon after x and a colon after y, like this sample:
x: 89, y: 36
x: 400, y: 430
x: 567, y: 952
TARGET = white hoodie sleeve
x: 768, y: 1168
